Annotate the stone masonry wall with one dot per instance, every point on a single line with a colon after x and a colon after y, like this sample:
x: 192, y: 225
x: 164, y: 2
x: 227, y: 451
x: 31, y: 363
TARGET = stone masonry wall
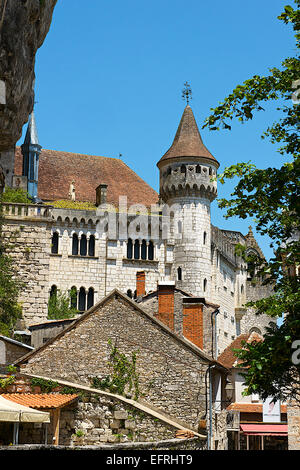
x: 30, y: 250
x: 171, y: 375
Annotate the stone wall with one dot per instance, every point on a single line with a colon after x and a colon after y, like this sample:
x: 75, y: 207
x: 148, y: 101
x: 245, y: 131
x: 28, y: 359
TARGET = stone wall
x: 293, y: 417
x: 10, y: 352
x: 97, y: 418
x: 30, y: 241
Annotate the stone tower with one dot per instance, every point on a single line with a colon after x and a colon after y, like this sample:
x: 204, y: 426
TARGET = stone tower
x: 31, y: 150
x: 187, y: 188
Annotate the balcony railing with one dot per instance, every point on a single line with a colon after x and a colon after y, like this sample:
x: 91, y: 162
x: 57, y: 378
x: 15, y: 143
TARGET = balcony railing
x: 24, y: 211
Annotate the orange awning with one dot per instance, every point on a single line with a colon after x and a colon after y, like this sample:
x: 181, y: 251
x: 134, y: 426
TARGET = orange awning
x: 264, y: 429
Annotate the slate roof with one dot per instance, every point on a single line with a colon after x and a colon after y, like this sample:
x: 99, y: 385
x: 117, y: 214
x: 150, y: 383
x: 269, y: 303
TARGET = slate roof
x: 188, y: 141
x: 58, y: 169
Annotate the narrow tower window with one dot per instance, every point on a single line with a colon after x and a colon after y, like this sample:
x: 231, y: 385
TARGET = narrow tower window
x: 204, y: 285
x: 144, y: 250
x: 92, y: 246
x: 204, y: 238
x: 83, y: 245
x: 129, y: 249
x: 137, y: 249
x: 150, y: 251
x: 73, y: 297
x: 90, y: 298
x: 54, y: 244
x: 75, y: 244
x: 179, y: 274
x: 82, y: 299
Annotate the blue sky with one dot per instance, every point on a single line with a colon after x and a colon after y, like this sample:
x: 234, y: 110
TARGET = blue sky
x: 110, y: 73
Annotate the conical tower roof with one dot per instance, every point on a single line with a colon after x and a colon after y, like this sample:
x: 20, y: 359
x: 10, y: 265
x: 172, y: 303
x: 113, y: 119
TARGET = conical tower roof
x: 31, y: 136
x: 187, y: 142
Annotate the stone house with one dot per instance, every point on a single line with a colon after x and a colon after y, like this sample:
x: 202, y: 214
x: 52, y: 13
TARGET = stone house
x: 10, y: 351
x: 173, y: 376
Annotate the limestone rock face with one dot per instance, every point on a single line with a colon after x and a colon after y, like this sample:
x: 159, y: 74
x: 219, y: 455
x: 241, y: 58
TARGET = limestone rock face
x: 24, y: 25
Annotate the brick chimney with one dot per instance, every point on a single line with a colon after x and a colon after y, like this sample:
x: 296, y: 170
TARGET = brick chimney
x: 140, y: 283
x: 101, y: 194
x: 166, y: 303
x: 192, y: 328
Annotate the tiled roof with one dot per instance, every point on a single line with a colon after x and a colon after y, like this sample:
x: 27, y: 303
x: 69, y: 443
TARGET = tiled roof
x: 251, y: 407
x: 58, y: 169
x: 228, y: 358
x: 188, y: 141
x: 41, y: 400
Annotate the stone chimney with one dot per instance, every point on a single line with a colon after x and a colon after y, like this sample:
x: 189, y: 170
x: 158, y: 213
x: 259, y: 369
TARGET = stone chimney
x: 166, y: 303
x: 192, y: 324
x: 101, y: 194
x: 140, y: 283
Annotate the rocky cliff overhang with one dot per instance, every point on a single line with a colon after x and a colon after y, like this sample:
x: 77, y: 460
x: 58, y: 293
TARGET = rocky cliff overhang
x: 24, y: 25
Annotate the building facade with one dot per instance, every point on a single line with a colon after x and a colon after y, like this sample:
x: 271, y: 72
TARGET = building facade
x: 95, y: 226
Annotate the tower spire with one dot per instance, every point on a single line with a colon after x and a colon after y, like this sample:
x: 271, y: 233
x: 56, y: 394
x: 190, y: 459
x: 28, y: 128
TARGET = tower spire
x: 31, y: 150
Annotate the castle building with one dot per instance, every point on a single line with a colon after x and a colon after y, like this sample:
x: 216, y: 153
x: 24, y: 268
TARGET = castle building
x: 97, y: 226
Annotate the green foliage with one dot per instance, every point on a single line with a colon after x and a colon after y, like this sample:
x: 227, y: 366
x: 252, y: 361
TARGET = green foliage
x: 15, y: 195
x: 11, y: 369
x: 124, y: 377
x: 60, y: 306
x: 77, y: 205
x: 271, y: 196
x: 47, y: 386
x: 4, y: 383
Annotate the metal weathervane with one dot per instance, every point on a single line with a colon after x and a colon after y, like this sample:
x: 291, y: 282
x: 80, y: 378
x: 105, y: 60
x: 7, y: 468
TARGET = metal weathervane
x: 186, y: 93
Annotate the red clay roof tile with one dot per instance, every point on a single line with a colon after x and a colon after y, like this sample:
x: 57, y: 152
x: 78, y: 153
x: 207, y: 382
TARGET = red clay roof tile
x: 58, y: 169
x: 41, y: 400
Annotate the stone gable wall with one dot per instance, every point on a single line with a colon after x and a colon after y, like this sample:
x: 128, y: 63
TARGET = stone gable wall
x: 171, y: 376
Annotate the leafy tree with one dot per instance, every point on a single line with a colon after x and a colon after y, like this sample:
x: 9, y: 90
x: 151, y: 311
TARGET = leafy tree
x: 271, y: 195
x: 17, y: 195
x: 60, y: 305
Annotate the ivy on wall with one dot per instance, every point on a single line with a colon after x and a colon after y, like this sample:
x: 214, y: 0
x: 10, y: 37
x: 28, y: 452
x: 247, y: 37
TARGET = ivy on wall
x: 123, y: 378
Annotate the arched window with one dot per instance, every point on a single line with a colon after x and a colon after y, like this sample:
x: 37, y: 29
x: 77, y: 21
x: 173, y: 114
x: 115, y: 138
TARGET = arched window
x: 204, y: 285
x: 82, y: 300
x: 75, y: 244
x: 54, y: 244
x: 144, y: 250
x: 83, y: 245
x: 129, y: 293
x: 204, y: 238
x: 90, y: 298
x: 198, y: 169
x: 53, y: 291
x: 92, y: 246
x: 210, y: 171
x: 73, y: 297
x: 136, y: 249
x: 151, y: 251
x: 129, y: 249
x: 242, y: 289
x: 179, y: 274
x: 183, y: 169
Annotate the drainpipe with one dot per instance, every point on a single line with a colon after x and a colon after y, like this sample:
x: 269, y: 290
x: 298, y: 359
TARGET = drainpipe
x: 210, y: 403
x: 214, y: 333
